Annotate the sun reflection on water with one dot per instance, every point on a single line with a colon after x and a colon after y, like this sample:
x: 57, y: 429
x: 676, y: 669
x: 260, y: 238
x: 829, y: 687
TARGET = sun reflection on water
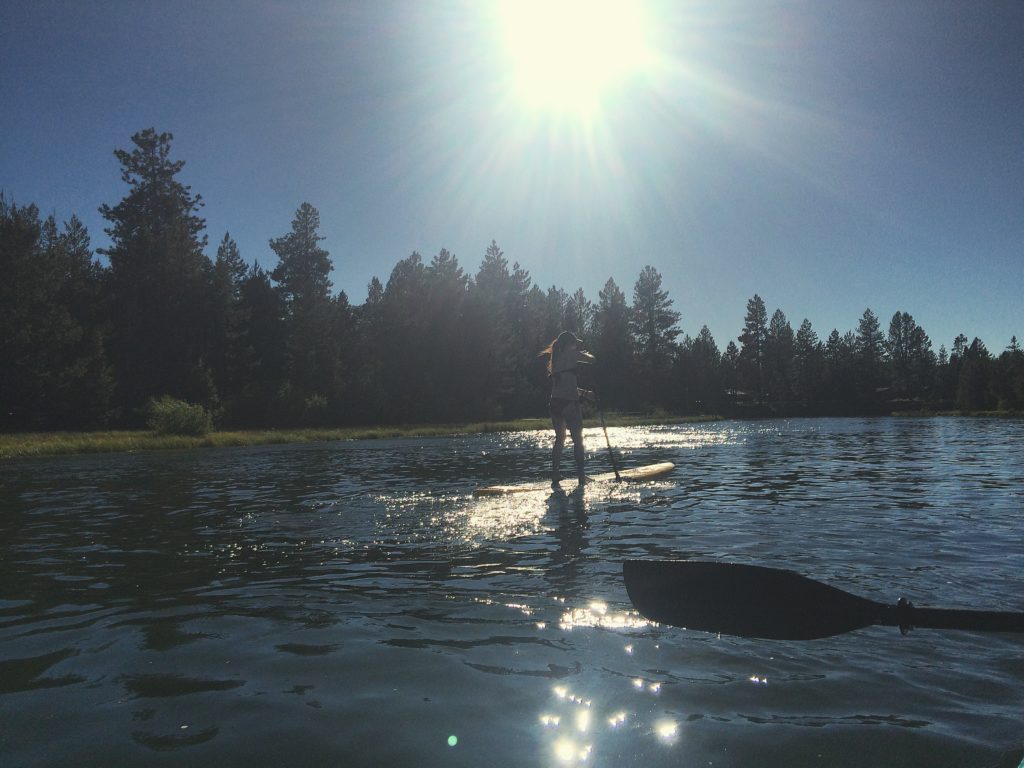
x: 427, y: 515
x: 570, y: 751
x: 575, y: 726
x: 505, y: 517
x: 667, y: 731
x: 596, y: 614
x: 463, y: 519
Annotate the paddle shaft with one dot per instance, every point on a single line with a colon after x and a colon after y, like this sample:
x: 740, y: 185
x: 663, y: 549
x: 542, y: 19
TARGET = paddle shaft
x: 907, y: 616
x: 604, y: 428
x: 608, y: 442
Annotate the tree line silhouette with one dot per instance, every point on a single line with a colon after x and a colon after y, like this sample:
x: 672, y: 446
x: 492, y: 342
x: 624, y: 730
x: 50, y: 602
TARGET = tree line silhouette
x: 85, y: 345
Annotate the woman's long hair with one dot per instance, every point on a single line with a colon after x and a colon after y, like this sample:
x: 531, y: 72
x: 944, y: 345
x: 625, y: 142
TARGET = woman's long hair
x: 554, y: 349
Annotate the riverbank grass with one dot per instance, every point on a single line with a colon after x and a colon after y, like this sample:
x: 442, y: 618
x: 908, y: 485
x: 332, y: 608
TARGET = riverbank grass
x: 27, y: 445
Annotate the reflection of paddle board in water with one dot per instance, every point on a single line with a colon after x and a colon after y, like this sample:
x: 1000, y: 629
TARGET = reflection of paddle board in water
x: 637, y: 474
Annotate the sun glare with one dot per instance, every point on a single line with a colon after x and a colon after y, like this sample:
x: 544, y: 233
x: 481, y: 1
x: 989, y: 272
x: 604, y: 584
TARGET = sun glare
x: 565, y: 56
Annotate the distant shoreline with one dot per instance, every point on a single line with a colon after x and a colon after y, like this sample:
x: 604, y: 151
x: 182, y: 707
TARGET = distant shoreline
x: 43, y: 444
x: 50, y: 444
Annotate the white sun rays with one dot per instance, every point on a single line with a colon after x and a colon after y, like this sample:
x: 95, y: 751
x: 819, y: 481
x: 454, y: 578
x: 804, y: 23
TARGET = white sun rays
x: 558, y: 167
x: 588, y: 174
x: 567, y: 56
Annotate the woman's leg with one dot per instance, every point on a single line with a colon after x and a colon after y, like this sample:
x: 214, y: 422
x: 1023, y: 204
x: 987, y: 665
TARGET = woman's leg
x: 574, y: 421
x: 558, y: 422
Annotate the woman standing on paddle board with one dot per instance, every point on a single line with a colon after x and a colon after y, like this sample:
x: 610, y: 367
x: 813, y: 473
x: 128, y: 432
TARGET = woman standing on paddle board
x: 564, y: 354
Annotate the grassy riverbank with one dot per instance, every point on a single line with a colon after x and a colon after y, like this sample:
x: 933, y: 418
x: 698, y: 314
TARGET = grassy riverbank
x: 33, y: 444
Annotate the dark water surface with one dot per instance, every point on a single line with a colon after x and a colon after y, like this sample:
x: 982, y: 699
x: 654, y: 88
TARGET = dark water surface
x: 351, y: 604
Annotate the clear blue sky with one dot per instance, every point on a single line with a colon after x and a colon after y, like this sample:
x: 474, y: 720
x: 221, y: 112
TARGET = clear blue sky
x: 830, y: 156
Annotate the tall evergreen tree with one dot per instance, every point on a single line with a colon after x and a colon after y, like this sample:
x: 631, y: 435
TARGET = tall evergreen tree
x: 870, y: 355
x: 229, y: 266
x: 730, y: 370
x: 960, y: 344
x: 948, y: 375
x: 613, y: 346
x: 403, y: 358
x: 579, y: 314
x: 229, y: 356
x: 654, y: 326
x: 304, y: 268
x: 525, y: 337
x: 754, y: 340
x: 910, y: 356
x: 84, y: 287
x: 808, y: 363
x: 554, y: 316
x: 779, y: 344
x: 502, y: 341
x: 840, y: 367
x: 445, y: 387
x: 264, y: 343
x: 368, y: 400
x: 974, y: 385
x: 161, y: 279
x: 699, y: 376
x: 343, y: 396
x: 303, y: 276
x: 1010, y: 384
x: 52, y: 355
x: 654, y: 322
x: 89, y: 389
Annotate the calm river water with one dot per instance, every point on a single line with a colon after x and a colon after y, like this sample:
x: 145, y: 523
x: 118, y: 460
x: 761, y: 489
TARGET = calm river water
x: 351, y: 604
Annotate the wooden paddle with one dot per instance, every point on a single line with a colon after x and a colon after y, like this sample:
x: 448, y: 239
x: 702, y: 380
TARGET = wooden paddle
x: 611, y: 453
x: 604, y: 427
x: 754, y: 601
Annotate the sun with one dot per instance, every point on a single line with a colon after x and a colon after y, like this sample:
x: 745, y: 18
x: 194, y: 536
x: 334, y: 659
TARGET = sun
x: 567, y: 56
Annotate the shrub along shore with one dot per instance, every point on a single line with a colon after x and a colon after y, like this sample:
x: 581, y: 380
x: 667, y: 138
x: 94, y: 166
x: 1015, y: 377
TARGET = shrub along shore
x: 36, y: 444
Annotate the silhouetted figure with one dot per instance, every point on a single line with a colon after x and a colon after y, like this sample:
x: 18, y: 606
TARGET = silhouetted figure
x: 564, y: 354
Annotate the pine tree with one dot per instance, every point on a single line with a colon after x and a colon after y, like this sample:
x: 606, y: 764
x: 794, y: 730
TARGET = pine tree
x: 613, y: 347
x: 52, y: 356
x: 871, y: 356
x: 1011, y: 382
x: 368, y: 399
x: 343, y: 394
x: 88, y: 385
x: 730, y: 370
x: 304, y: 268
x: 579, y: 314
x: 808, y: 363
x: 754, y: 340
x: 501, y: 340
x: 161, y: 279
x: 230, y: 359
x: 303, y: 276
x: 974, y: 392
x: 779, y: 343
x: 654, y: 327
x: 840, y: 367
x: 264, y: 341
x: 699, y: 374
x: 402, y: 356
x: 653, y: 319
x: 445, y: 388
x: 910, y: 356
x: 556, y: 301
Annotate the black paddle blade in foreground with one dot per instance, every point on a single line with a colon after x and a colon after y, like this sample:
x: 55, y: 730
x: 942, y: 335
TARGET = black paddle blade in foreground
x: 754, y: 601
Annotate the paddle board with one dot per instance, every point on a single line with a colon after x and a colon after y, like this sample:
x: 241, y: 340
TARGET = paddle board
x: 636, y: 474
